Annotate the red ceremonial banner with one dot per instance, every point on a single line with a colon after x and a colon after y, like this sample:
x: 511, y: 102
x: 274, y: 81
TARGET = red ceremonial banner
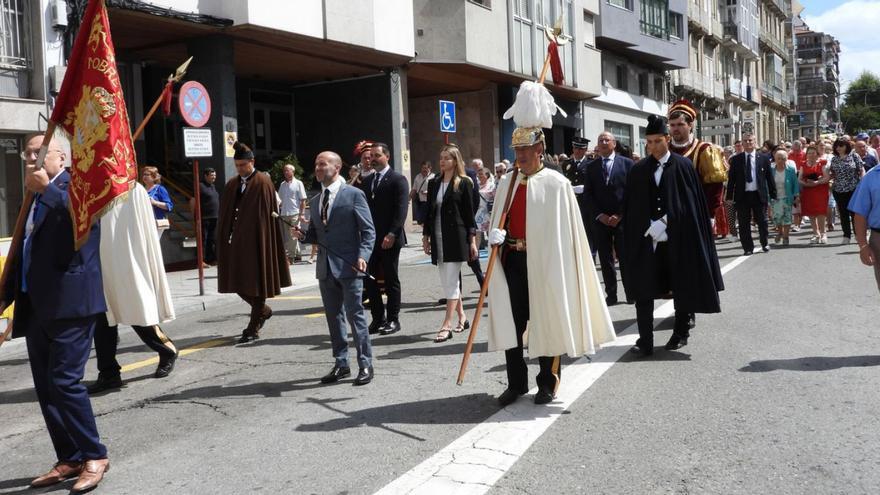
x: 555, y: 64
x: 91, y: 109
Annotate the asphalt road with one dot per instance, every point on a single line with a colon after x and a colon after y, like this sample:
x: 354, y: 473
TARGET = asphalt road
x: 775, y: 395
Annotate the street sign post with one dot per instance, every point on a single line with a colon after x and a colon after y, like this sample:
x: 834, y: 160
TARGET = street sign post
x: 194, y: 103
x: 447, y: 118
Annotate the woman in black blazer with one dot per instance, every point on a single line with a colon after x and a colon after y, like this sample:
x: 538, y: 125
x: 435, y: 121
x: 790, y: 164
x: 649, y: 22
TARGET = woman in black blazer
x: 450, y: 234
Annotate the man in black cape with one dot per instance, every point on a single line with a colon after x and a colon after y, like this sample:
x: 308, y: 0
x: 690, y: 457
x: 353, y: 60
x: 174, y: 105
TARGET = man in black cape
x: 668, y: 247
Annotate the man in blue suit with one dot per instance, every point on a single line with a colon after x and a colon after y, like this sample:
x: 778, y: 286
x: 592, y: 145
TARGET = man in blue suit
x: 342, y: 222
x: 59, y: 294
x: 604, y: 183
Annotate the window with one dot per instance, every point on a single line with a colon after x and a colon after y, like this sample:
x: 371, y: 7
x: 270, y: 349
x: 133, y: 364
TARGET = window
x: 658, y: 89
x: 589, y: 30
x: 643, y: 84
x: 643, y: 140
x: 655, y: 18
x: 521, y: 47
x: 15, y: 49
x: 622, y: 78
x: 676, y: 28
x: 623, y: 4
x: 483, y: 3
x: 621, y: 132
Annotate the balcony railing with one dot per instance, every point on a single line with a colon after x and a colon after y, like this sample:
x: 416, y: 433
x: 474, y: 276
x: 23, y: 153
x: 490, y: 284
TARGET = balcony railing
x: 774, y: 44
x: 774, y: 94
x: 691, y: 80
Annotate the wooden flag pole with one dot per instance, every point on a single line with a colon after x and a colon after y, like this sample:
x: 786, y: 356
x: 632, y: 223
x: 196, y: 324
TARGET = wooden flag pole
x: 176, y: 77
x: 493, y: 255
x: 18, y: 231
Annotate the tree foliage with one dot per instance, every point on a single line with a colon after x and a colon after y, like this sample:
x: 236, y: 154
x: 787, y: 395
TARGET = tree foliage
x: 861, y: 107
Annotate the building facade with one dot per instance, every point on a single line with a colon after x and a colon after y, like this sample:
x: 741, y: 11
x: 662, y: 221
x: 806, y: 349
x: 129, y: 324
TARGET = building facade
x: 818, y: 82
x: 775, y: 56
x: 640, y: 41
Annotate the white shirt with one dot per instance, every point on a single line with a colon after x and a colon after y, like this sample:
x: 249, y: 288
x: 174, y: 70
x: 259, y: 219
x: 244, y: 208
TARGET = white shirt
x: 333, y: 188
x: 420, y: 185
x: 750, y: 162
x: 375, y: 181
x: 292, y: 193
x: 659, y: 172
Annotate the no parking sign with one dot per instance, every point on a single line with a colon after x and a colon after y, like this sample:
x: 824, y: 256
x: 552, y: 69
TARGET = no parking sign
x: 195, y: 104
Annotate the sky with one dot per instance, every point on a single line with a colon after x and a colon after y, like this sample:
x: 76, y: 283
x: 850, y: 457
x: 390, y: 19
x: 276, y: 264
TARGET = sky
x: 855, y: 25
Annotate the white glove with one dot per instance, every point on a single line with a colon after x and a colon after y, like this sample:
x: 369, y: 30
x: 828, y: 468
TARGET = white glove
x: 657, y: 227
x: 496, y: 237
x: 579, y: 189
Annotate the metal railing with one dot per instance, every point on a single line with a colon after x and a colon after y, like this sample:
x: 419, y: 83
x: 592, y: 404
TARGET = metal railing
x: 15, y: 39
x: 176, y: 218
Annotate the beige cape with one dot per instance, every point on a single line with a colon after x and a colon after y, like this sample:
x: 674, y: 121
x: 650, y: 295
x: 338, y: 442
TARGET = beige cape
x: 567, y: 309
x: 135, y: 285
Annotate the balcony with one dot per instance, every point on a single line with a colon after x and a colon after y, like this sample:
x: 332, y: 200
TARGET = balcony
x: 774, y: 95
x: 741, y: 92
x: 777, y: 6
x: 689, y: 80
x: 704, y: 21
x: 731, y: 39
x: 772, y: 44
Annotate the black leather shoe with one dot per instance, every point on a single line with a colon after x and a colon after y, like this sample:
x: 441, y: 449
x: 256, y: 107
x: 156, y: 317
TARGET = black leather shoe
x: 166, y: 365
x: 509, y: 396
x: 441, y: 302
x: 390, y: 326
x: 248, y: 335
x: 676, y: 342
x: 641, y: 351
x: 692, y: 321
x: 336, y: 374
x: 365, y: 376
x: 610, y: 300
x: 375, y: 326
x: 544, y: 397
x: 105, y: 383
x: 765, y: 248
x: 748, y: 253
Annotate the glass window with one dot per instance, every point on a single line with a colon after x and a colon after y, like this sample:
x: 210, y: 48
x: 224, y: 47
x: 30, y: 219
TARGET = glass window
x: 643, y: 84
x: 676, y: 29
x: 15, y: 49
x: 655, y: 18
x: 621, y: 132
x: 484, y: 3
x: 624, y: 4
x: 643, y: 139
x: 622, y: 78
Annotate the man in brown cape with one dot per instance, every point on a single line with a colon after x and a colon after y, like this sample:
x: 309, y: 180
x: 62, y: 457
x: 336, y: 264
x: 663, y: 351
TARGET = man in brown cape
x: 251, y: 260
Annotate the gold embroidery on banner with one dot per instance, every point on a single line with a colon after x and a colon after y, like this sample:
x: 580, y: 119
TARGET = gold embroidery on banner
x: 89, y: 125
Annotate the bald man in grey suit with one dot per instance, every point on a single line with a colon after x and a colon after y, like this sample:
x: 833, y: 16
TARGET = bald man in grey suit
x: 342, y: 222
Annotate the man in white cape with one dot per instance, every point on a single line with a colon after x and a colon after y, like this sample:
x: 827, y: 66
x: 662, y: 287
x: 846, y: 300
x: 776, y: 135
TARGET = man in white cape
x: 135, y: 287
x: 547, y: 283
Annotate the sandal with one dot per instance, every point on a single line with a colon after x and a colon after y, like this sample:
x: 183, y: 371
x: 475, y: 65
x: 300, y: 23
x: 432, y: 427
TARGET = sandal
x: 443, y: 335
x: 461, y: 327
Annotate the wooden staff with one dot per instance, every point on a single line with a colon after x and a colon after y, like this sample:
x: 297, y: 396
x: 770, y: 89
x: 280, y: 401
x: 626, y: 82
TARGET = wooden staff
x: 501, y: 221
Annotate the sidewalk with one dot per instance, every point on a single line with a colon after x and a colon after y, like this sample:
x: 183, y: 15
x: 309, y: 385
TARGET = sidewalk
x: 185, y: 284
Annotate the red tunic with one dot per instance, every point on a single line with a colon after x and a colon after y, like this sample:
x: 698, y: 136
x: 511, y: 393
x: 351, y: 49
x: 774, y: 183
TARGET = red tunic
x: 516, y: 217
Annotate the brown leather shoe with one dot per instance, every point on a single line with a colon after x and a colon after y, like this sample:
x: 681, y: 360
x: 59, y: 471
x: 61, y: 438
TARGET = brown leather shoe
x: 264, y: 316
x: 92, y: 474
x: 61, y: 471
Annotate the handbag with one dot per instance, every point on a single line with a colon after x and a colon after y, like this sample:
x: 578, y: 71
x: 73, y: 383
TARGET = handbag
x: 163, y: 224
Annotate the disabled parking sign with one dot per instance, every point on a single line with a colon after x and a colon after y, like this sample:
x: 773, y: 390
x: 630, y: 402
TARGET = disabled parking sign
x: 447, y: 116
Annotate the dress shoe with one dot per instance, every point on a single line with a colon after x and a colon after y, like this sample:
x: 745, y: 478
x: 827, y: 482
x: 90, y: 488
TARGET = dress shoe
x: 676, y: 342
x: 390, y: 326
x: 544, y: 397
x: 610, y: 300
x: 336, y: 374
x: 92, y: 474
x: 166, y: 365
x: 249, y: 335
x: 365, y: 376
x: 264, y: 316
x: 692, y: 321
x: 642, y: 351
x: 509, y: 396
x: 61, y: 471
x: 105, y: 382
x: 748, y: 253
x: 375, y: 326
x: 765, y: 248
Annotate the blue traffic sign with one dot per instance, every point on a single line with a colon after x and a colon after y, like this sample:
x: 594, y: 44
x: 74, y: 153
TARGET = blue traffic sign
x: 447, y: 116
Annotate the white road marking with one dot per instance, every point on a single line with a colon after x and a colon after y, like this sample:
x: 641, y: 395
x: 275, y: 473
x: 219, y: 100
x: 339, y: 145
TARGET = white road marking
x: 474, y: 462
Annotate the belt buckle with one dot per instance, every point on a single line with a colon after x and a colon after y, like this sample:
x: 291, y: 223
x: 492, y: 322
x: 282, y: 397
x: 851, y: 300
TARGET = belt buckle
x: 520, y: 244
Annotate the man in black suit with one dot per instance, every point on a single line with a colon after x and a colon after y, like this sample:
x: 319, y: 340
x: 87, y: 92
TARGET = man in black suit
x: 58, y: 295
x: 388, y: 197
x: 604, y: 184
x: 750, y: 184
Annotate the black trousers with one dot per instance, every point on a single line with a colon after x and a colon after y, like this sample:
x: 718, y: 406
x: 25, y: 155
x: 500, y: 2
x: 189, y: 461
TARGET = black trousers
x: 209, y: 227
x: 388, y: 260
x: 477, y: 269
x: 846, y: 216
x: 550, y: 374
x: 608, y: 241
x: 107, y: 338
x: 748, y: 207
x: 645, y: 319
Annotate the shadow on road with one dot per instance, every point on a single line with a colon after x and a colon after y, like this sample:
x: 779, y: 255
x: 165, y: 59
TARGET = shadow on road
x: 23, y: 486
x: 262, y: 389
x: 812, y: 363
